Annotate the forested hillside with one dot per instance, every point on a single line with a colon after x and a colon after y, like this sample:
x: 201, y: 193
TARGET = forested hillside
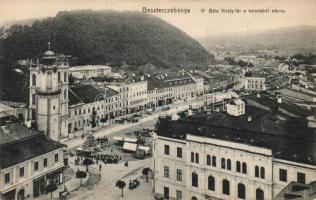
x: 99, y: 37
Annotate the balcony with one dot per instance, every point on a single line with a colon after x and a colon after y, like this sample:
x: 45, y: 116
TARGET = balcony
x: 48, y: 91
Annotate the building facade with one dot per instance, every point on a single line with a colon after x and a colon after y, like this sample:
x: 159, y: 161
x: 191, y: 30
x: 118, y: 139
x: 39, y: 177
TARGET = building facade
x: 255, y: 84
x: 90, y: 71
x: 28, y: 166
x: 193, y: 159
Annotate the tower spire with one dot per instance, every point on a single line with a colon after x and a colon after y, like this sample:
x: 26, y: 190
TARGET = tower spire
x: 49, y: 42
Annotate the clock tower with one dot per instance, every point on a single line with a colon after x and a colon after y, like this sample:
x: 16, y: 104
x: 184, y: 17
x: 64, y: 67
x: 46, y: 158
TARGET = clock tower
x: 49, y: 94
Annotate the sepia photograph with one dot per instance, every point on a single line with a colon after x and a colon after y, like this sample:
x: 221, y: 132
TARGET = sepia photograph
x: 158, y: 100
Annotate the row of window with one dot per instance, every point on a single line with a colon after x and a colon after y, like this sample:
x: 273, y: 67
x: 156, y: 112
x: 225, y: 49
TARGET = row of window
x: 108, y: 108
x: 225, y: 190
x: 59, y: 78
x: 241, y: 193
x: 35, y: 168
x: 301, y: 178
x: 241, y: 167
x: 166, y: 173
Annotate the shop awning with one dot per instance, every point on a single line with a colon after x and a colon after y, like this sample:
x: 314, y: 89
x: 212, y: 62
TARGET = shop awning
x: 129, y: 146
x: 118, y: 138
x: 144, y: 148
x: 130, y: 140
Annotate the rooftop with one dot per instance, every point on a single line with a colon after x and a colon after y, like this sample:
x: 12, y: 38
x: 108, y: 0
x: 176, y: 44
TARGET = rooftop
x: 12, y: 132
x: 84, y: 93
x: 89, y: 67
x: 290, y: 139
x: 26, y: 148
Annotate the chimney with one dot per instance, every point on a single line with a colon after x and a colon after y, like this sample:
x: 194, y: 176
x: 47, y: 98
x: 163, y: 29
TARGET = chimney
x: 279, y: 99
x: 249, y: 118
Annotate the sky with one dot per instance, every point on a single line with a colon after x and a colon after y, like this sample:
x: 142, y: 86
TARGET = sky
x: 195, y: 23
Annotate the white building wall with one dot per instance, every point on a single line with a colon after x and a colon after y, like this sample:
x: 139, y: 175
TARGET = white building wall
x: 26, y: 182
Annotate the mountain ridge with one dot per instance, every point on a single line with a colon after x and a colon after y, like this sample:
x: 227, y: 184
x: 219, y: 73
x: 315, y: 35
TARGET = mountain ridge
x: 285, y: 37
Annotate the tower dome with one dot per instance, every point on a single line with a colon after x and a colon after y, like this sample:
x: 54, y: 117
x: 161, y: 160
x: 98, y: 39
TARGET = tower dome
x: 49, y: 53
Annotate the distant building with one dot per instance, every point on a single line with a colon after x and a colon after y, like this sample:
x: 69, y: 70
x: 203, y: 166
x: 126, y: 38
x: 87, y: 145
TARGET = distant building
x: 220, y: 156
x: 236, y: 107
x: 6, y: 110
x: 90, y: 71
x: 88, y: 104
x: 254, y: 82
x: 29, y: 162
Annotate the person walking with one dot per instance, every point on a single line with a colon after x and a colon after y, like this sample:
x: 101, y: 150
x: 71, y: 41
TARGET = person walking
x: 100, y: 167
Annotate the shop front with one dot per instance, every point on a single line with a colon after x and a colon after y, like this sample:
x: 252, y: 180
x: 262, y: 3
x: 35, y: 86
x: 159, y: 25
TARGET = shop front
x: 39, y: 186
x: 55, y: 176
x: 10, y: 195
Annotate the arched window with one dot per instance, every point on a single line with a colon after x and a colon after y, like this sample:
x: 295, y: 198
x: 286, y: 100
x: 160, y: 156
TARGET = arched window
x: 262, y: 172
x: 194, y: 198
x: 259, y: 194
x: 208, y: 160
x: 256, y: 171
x: 195, y: 180
x: 65, y: 76
x: 241, y: 191
x: 229, y: 164
x: 58, y: 75
x: 223, y: 163
x: 33, y: 99
x: 225, y: 187
x: 238, y: 166
x: 196, y: 158
x: 33, y: 80
x: 213, y: 161
x: 211, y: 183
x: 65, y: 94
x: 244, y: 168
x: 192, y: 156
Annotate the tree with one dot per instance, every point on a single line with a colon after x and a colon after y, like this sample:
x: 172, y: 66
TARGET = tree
x: 93, y: 116
x: 146, y: 172
x: 81, y: 175
x: 120, y: 184
x: 103, y: 120
x: 87, y: 162
x: 51, y: 188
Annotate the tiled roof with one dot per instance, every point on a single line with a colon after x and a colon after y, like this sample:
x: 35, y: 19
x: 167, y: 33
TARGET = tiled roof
x: 25, y: 149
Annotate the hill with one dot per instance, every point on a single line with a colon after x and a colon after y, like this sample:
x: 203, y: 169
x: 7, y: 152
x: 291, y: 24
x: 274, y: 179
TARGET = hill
x: 298, y: 37
x: 99, y: 37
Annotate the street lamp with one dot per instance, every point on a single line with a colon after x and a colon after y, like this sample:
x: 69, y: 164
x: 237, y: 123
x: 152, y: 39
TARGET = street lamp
x: 213, y: 97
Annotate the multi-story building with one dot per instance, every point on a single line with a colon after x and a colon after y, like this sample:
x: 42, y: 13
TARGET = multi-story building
x: 220, y: 156
x: 91, y: 107
x: 254, y: 82
x: 236, y: 107
x: 89, y: 71
x: 133, y: 92
x: 29, y: 161
x: 159, y: 93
